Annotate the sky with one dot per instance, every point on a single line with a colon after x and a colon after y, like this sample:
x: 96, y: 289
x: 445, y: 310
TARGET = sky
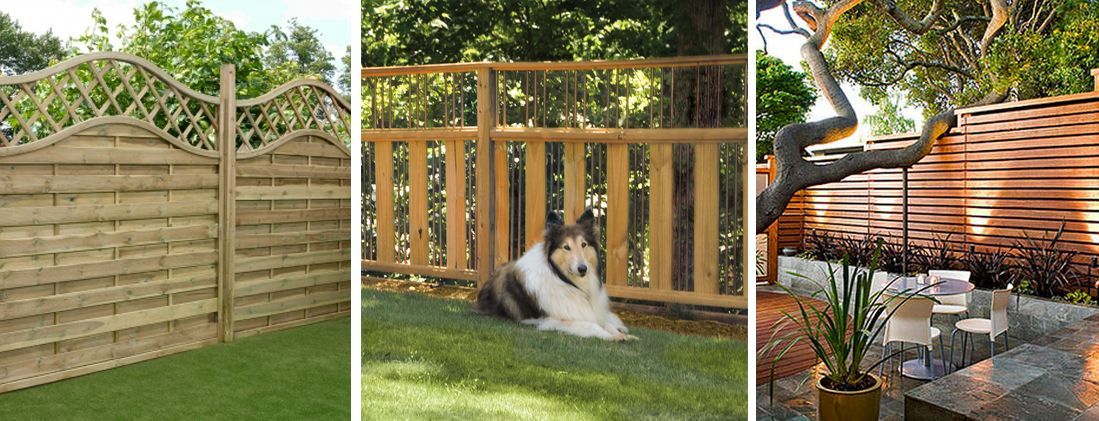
x: 334, y: 19
x: 787, y: 48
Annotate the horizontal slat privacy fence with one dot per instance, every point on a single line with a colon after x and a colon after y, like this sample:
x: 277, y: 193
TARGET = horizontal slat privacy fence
x: 462, y: 162
x: 1006, y: 170
x: 118, y: 199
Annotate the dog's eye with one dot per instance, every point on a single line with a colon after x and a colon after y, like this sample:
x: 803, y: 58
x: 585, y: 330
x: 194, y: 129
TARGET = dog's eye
x: 582, y: 245
x: 566, y: 247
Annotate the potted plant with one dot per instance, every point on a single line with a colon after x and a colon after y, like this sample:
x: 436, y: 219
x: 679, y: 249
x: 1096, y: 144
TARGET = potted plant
x: 840, y: 334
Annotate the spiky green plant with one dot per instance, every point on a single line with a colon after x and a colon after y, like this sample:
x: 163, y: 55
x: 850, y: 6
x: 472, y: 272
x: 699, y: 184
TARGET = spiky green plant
x: 841, y: 333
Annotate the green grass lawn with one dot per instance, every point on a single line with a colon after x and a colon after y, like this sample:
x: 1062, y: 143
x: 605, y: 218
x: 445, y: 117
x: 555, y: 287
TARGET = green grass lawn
x: 296, y: 374
x: 429, y: 358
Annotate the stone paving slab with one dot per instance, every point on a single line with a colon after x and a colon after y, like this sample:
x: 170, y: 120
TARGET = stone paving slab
x: 1052, y: 378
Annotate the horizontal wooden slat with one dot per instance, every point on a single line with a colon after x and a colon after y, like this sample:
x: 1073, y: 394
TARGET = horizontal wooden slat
x: 692, y: 135
x: 53, y: 274
x: 73, y: 300
x: 293, y: 171
x: 87, y: 327
x: 430, y: 271
x: 279, y: 239
x: 294, y: 303
x: 76, y: 242
x: 290, y: 281
x: 120, y: 156
x: 275, y: 217
x: 669, y: 62
x: 30, y: 184
x: 682, y: 297
x: 290, y: 260
x: 292, y: 192
x: 101, y: 213
x: 388, y: 135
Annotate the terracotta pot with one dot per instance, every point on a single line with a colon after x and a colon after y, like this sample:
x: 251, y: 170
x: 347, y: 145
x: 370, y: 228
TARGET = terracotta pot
x: 850, y: 406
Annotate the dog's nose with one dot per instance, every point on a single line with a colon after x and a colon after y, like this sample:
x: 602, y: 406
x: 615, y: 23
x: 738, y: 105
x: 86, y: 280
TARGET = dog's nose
x: 583, y: 269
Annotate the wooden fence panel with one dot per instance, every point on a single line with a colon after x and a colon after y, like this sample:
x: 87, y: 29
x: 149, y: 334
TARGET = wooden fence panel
x: 295, y: 270
x: 539, y: 151
x: 105, y: 262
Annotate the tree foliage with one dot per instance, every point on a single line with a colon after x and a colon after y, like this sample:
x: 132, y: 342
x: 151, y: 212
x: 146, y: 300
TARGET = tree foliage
x: 191, y: 44
x: 888, y: 119
x: 1044, y: 48
x: 784, y: 96
x: 23, y: 51
x: 402, y: 32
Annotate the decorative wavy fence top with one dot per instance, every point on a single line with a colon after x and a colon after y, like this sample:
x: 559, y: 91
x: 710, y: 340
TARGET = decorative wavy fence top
x: 39, y: 105
x: 298, y: 105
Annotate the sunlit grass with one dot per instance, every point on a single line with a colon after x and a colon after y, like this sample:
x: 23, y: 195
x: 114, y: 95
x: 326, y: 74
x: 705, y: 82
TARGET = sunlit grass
x: 428, y: 358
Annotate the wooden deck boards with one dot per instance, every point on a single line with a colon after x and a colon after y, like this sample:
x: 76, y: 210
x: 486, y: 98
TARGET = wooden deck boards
x: 769, y: 309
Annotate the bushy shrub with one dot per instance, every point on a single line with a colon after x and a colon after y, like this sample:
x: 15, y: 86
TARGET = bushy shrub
x: 990, y: 269
x: 1044, y: 264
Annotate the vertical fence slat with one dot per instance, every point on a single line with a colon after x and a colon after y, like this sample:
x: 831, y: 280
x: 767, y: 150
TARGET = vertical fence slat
x: 227, y: 219
x: 536, y: 192
x: 575, y: 177
x: 503, y: 203
x: 661, y: 195
x: 455, y: 204
x: 618, y: 212
x: 383, y: 176
x: 486, y: 120
x: 417, y: 201
x: 706, y: 229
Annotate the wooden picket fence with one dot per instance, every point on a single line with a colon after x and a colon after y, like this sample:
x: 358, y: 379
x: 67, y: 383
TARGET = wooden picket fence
x: 129, y: 230
x: 455, y: 186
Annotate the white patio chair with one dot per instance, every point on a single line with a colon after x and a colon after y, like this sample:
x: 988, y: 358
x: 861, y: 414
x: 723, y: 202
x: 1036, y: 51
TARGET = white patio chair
x: 911, y: 323
x: 952, y: 304
x: 995, y: 325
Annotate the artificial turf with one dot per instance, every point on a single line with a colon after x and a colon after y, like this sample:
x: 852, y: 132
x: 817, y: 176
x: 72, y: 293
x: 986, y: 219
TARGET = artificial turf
x: 430, y: 358
x: 295, y: 374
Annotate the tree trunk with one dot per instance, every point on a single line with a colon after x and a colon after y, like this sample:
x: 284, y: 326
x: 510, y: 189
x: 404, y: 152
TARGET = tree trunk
x: 700, y: 30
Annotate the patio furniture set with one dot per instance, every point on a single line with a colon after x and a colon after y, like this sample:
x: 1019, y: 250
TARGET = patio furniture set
x: 944, y: 293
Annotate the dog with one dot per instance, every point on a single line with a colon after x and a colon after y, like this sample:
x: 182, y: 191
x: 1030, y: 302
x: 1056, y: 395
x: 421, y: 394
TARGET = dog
x: 555, y: 285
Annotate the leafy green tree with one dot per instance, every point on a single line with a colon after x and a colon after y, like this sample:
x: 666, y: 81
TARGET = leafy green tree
x: 298, y: 51
x: 396, y: 32
x: 192, y: 43
x: 344, y: 81
x: 784, y: 96
x: 888, y: 119
x: 22, y: 51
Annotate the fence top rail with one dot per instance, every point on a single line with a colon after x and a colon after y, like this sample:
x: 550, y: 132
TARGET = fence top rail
x: 593, y: 135
x: 1047, y: 101
x: 274, y: 93
x: 686, y: 61
x: 107, y: 56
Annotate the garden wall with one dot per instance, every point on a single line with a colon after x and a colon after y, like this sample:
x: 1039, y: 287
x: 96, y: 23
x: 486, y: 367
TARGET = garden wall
x: 131, y: 228
x: 1029, y: 317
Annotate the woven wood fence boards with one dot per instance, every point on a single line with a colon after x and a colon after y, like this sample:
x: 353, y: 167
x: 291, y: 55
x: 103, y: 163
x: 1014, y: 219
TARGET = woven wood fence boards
x: 111, y: 244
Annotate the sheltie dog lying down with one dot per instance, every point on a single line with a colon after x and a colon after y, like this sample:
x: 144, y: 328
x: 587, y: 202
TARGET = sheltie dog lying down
x: 555, y: 285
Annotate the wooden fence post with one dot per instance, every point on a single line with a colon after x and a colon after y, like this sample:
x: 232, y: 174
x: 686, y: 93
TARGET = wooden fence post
x: 486, y: 177
x: 226, y: 141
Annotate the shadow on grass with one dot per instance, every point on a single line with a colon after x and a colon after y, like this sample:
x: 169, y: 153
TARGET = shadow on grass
x: 426, y: 357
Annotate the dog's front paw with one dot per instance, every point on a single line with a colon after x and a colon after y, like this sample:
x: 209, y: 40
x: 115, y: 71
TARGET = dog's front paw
x: 622, y: 337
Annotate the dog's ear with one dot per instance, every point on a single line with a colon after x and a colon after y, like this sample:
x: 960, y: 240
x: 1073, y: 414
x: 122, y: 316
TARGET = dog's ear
x: 553, y: 220
x: 587, y: 220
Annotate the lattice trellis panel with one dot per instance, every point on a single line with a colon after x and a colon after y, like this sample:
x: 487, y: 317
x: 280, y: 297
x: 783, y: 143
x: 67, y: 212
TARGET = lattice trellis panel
x: 102, y: 85
x: 302, y: 105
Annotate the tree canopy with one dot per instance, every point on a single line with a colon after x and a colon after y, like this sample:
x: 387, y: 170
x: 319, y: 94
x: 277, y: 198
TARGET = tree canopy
x: 1043, y: 48
x: 192, y: 43
x: 399, y: 32
x: 784, y: 96
x: 23, y: 51
x: 889, y: 119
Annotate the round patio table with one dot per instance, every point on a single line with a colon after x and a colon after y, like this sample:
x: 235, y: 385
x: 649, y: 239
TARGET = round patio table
x: 927, y: 367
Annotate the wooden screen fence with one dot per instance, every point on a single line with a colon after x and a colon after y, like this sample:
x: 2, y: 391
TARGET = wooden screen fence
x: 463, y: 161
x: 130, y: 231
x: 1006, y: 170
